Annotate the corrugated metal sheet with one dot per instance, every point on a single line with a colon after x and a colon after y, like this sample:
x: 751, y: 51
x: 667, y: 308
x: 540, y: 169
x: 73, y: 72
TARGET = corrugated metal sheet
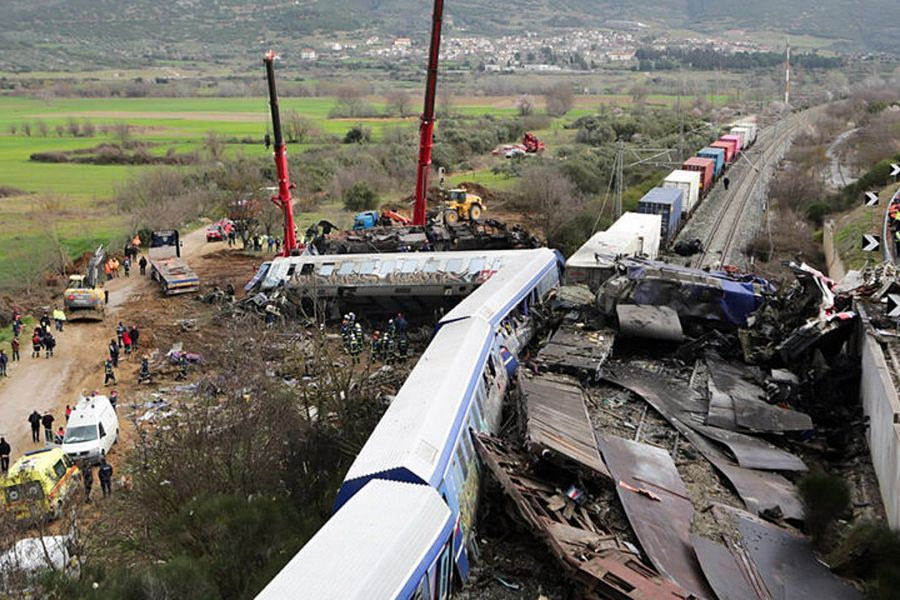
x: 658, y: 508
x: 557, y: 420
x: 415, y: 427
x: 393, y: 525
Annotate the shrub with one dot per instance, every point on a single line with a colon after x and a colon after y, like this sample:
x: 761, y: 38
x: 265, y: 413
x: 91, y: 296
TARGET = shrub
x: 824, y: 498
x: 360, y: 197
x: 358, y: 135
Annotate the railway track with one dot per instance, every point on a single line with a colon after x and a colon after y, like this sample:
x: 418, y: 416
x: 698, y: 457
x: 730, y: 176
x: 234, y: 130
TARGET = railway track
x: 720, y: 237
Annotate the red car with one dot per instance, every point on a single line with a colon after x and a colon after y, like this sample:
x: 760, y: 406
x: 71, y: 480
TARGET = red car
x: 215, y: 233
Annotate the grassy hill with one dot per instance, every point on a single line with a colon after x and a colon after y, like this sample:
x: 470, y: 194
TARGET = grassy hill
x: 74, y: 34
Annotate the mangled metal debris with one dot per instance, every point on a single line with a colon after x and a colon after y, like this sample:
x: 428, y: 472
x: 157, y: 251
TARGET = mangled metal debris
x: 557, y: 422
x: 652, y: 322
x: 785, y: 562
x: 658, y: 507
x: 603, y: 565
x: 737, y: 402
x: 729, y: 571
x: 577, y: 352
x: 762, y: 492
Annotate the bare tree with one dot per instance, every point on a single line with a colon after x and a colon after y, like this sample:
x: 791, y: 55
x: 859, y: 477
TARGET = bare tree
x: 350, y: 101
x: 121, y: 132
x: 397, y: 102
x: 215, y: 146
x: 559, y: 99
x: 445, y: 100
x: 550, y: 199
x: 42, y: 128
x: 525, y: 105
x: 298, y: 129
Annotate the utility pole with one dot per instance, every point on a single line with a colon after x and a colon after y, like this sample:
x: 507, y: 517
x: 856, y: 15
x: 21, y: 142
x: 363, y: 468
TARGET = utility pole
x: 787, y: 74
x: 680, y: 122
x: 619, y: 167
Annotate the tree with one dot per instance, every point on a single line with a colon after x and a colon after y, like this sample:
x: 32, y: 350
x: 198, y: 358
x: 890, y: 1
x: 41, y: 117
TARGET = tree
x: 360, y: 197
x: 550, y: 200
x: 397, y: 102
x: 358, y: 135
x: 350, y: 103
x: 297, y: 129
x: 42, y: 128
x: 215, y: 146
x: 121, y: 132
x: 525, y: 105
x: 559, y: 99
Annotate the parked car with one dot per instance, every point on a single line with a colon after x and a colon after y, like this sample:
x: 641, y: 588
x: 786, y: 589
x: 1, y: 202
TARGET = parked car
x: 215, y: 233
x: 39, y: 483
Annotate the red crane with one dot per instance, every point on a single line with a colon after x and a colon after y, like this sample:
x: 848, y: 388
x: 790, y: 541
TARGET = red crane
x: 426, y: 128
x: 283, y: 199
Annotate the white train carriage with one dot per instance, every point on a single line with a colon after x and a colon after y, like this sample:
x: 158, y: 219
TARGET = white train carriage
x: 392, y: 540
x: 424, y: 441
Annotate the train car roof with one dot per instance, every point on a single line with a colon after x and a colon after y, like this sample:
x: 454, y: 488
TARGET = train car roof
x: 411, y: 439
x: 506, y: 288
x: 396, y: 530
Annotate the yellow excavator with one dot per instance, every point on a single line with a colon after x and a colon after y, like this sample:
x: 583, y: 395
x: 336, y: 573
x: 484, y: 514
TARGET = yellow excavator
x: 84, y: 297
x: 462, y: 206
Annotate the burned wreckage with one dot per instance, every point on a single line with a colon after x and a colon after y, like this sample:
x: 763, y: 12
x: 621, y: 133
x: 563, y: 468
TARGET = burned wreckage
x: 603, y: 462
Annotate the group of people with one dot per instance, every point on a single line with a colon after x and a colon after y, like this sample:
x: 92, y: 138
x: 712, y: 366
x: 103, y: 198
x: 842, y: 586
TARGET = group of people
x: 126, y: 341
x: 387, y: 344
x: 42, y: 338
x: 259, y: 241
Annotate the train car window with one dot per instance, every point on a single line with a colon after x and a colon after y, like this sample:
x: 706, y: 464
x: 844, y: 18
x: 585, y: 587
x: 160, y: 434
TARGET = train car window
x: 290, y: 270
x: 386, y: 267
x: 476, y: 265
x: 444, y: 573
x: 491, y: 366
x: 422, y: 590
x: 431, y: 266
x: 366, y: 268
x: 467, y: 443
x: 409, y: 266
x: 462, y: 461
x: 326, y: 269
x: 347, y: 268
x: 479, y: 420
x: 307, y: 269
x: 454, y: 265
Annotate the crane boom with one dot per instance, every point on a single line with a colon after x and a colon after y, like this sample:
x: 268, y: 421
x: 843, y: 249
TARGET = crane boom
x: 426, y: 127
x: 283, y: 199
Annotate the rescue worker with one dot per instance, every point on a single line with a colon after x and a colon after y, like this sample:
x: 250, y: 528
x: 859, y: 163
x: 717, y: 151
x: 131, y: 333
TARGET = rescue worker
x: 47, y: 422
x: 105, y: 473
x: 60, y: 434
x: 114, y: 399
x: 402, y: 346
x: 49, y: 344
x: 35, y: 420
x: 4, y: 360
x: 356, y: 340
x: 135, y: 334
x: 88, y: 472
x: 5, y: 451
x: 45, y: 321
x: 14, y: 343
x: 142, y: 264
x: 114, y: 353
x: 68, y: 412
x: 725, y: 183
x: 401, y: 323
x: 126, y: 341
x: 36, y: 344
x: 120, y: 329
x: 376, y: 344
x: 127, y: 265
x: 144, y: 374
x: 60, y: 318
x: 109, y: 374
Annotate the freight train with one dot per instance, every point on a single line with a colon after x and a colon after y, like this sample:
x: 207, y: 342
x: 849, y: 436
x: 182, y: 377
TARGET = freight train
x: 403, y: 522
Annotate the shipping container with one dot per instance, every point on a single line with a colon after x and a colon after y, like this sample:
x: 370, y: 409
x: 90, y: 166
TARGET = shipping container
x: 704, y: 166
x: 632, y: 235
x: 736, y: 139
x: 717, y: 155
x: 665, y: 202
x: 728, y: 147
x: 753, y: 130
x: 745, y: 134
x: 689, y: 183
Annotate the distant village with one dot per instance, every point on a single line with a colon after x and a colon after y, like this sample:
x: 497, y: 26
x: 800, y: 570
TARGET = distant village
x: 576, y: 50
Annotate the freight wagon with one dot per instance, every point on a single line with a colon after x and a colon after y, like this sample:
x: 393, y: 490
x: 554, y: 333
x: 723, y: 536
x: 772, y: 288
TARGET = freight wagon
x: 689, y: 183
x: 665, y: 202
x: 728, y: 147
x: 717, y: 155
x: 705, y: 167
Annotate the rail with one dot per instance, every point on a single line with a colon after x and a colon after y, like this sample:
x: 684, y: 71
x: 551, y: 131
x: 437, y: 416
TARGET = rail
x: 717, y: 248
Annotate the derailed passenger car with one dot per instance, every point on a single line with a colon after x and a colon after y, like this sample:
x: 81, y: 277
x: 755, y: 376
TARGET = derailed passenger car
x: 710, y: 296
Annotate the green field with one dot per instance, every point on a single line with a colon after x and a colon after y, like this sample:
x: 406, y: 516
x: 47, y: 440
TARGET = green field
x: 82, y: 214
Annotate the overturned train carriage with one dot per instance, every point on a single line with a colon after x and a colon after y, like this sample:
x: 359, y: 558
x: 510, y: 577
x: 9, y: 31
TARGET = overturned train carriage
x: 421, y: 454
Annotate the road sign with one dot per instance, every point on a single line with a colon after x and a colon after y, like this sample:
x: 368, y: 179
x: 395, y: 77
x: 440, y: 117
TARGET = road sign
x: 870, y: 243
x: 871, y: 199
x: 893, y: 305
x: 895, y: 169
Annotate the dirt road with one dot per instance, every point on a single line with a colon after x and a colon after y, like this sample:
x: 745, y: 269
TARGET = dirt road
x: 51, y: 383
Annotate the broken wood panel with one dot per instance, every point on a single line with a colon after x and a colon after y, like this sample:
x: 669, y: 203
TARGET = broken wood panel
x: 759, y: 490
x: 726, y: 574
x: 751, y: 452
x: 604, y: 566
x: 658, y: 508
x: 786, y: 562
x: 557, y: 420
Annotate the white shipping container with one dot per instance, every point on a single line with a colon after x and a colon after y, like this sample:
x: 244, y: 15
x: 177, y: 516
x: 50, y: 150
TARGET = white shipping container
x: 745, y: 134
x: 689, y: 184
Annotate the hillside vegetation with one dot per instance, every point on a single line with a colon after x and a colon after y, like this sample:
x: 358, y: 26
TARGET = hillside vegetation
x: 61, y: 34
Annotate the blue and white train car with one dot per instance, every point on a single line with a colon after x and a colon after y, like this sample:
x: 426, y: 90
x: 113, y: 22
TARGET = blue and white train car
x: 423, y: 439
x: 390, y: 541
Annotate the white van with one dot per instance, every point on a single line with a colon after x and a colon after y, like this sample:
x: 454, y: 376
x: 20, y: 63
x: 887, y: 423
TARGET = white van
x: 92, y: 430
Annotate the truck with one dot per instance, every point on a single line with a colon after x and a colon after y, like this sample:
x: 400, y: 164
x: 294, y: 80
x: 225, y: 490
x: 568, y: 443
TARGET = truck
x: 372, y: 218
x: 84, y: 297
x: 167, y: 267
